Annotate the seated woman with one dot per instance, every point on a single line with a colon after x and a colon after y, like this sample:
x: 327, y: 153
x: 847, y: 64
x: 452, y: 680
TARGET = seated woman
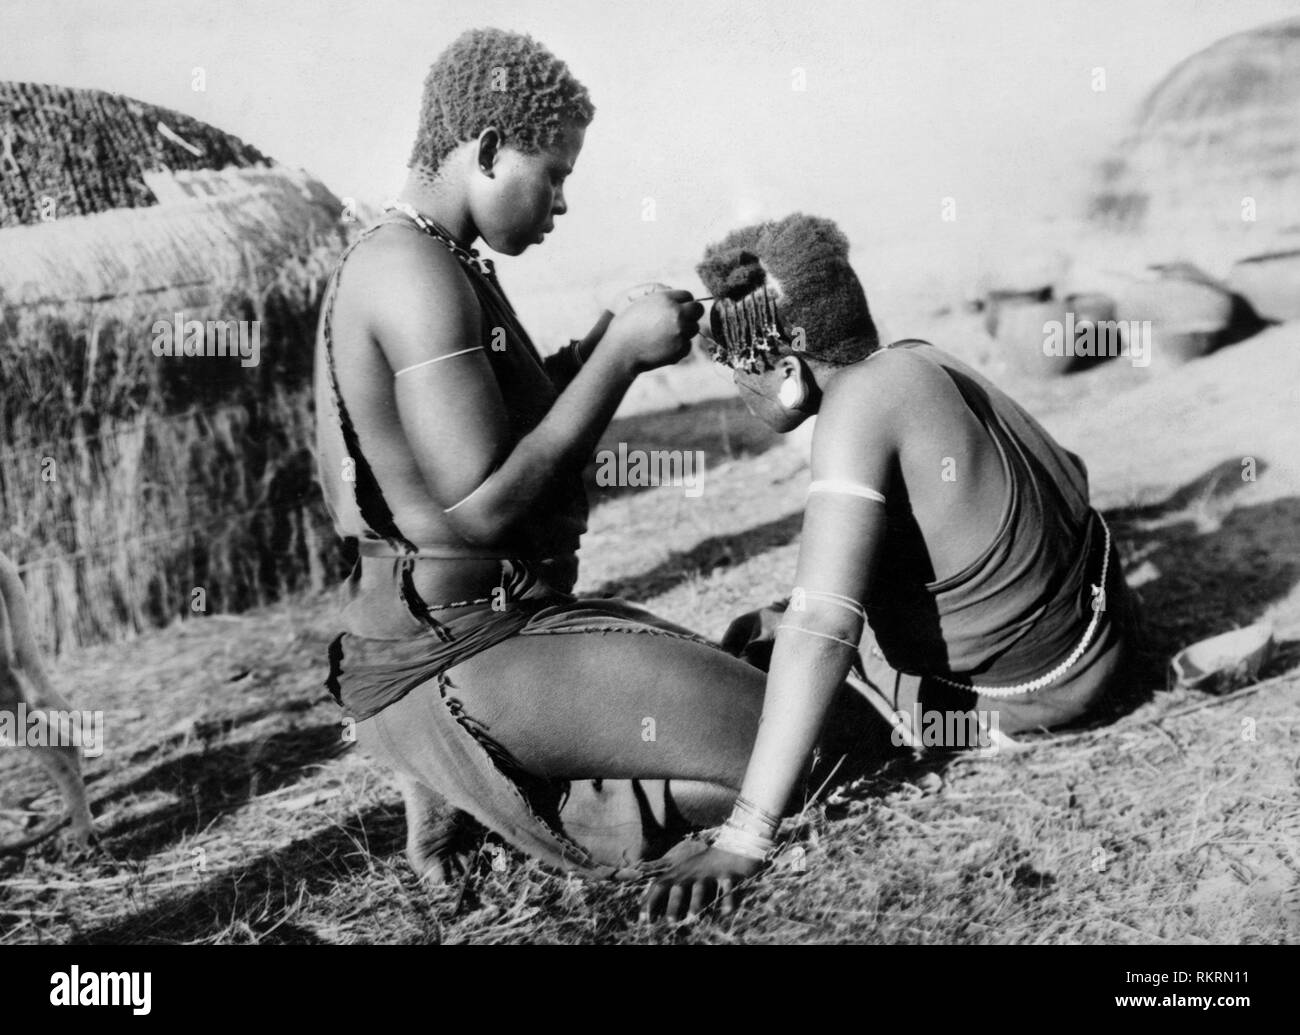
x: 949, y: 551
x: 588, y: 733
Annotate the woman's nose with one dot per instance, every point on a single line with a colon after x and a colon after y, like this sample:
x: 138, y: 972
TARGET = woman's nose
x: 559, y: 206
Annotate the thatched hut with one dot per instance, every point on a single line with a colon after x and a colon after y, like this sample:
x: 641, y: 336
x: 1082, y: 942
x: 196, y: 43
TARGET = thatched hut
x: 102, y: 196
x: 1211, y: 167
x: 152, y: 485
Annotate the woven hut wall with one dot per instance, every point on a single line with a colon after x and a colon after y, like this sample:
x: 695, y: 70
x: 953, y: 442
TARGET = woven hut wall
x: 136, y: 489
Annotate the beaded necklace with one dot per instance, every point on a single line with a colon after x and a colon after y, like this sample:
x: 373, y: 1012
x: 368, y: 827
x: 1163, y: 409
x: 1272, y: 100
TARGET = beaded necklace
x: 1098, y: 606
x: 469, y: 256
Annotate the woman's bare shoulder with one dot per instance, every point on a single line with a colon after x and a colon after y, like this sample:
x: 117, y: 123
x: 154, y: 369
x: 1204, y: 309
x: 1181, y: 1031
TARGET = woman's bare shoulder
x: 396, y: 261
x: 881, y: 388
x: 409, y: 291
x: 877, y: 403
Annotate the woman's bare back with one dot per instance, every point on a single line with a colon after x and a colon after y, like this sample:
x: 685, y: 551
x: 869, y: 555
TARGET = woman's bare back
x: 949, y: 471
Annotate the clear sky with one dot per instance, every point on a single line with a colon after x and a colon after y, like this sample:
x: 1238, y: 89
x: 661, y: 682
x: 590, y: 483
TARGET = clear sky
x: 905, y: 103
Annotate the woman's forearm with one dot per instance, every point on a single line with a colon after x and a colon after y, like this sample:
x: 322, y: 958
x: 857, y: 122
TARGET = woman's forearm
x: 653, y: 331
x: 566, y: 437
x: 563, y: 366
x: 588, y: 344
x: 806, y: 673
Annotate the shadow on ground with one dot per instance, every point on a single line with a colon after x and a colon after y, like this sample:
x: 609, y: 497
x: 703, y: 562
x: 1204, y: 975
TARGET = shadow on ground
x: 211, y: 781
x: 720, y: 551
x: 1211, y: 564
x: 720, y: 428
x: 250, y: 898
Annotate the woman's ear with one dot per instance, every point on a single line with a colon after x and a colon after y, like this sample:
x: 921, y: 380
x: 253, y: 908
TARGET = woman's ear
x: 794, y: 389
x: 489, y: 147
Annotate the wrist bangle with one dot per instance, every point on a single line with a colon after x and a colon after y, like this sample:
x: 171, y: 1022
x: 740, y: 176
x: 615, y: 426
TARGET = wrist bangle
x: 748, y: 815
x: 744, y: 843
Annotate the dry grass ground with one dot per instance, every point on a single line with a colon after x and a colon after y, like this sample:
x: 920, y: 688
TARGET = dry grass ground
x: 232, y: 811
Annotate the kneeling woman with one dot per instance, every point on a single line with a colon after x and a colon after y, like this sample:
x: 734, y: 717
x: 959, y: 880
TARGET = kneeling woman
x: 588, y: 733
x: 949, y: 550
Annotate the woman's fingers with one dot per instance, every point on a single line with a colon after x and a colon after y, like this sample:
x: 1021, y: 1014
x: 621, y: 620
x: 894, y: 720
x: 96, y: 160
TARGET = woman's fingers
x: 726, y: 896
x: 689, y: 894
x: 701, y: 896
x: 688, y: 320
x: 653, y: 902
x: 677, y: 901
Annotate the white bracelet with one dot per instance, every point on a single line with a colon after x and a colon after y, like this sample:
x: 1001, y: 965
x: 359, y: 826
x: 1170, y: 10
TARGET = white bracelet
x: 745, y: 843
x: 466, y: 499
x: 810, y: 632
x: 800, y: 596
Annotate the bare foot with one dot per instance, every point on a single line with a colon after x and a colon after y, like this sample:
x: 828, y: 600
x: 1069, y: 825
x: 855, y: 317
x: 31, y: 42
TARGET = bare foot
x: 439, y: 838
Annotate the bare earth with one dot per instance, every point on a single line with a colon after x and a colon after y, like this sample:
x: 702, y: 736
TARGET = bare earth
x: 232, y: 810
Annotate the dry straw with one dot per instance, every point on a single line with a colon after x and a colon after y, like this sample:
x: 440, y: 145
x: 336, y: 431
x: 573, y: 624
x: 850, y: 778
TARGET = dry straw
x: 129, y: 481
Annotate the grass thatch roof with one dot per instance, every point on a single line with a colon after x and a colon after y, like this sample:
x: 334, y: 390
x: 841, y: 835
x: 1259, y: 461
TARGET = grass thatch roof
x: 212, y: 226
x: 137, y: 200
x: 89, y: 151
x: 1221, y: 127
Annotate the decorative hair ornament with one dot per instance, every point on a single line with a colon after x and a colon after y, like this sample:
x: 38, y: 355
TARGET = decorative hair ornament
x: 746, y: 330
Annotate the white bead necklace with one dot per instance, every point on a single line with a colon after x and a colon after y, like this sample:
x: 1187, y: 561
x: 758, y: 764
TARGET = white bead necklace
x: 1098, y: 606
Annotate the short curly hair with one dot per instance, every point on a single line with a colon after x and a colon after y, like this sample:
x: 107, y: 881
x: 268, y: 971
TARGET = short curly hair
x: 489, y: 77
x: 803, y: 263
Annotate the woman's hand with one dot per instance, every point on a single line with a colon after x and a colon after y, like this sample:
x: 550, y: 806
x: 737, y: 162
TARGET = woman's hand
x: 655, y: 330
x: 614, y: 307
x: 689, y: 887
x: 622, y: 299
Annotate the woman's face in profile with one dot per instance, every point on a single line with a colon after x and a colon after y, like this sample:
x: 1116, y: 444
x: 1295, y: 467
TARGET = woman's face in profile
x: 759, y: 390
x: 760, y: 393
x: 525, y: 194
x: 758, y: 396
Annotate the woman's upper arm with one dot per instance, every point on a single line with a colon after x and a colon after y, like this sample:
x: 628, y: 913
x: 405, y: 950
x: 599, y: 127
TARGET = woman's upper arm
x: 854, y: 461
x: 450, y: 409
